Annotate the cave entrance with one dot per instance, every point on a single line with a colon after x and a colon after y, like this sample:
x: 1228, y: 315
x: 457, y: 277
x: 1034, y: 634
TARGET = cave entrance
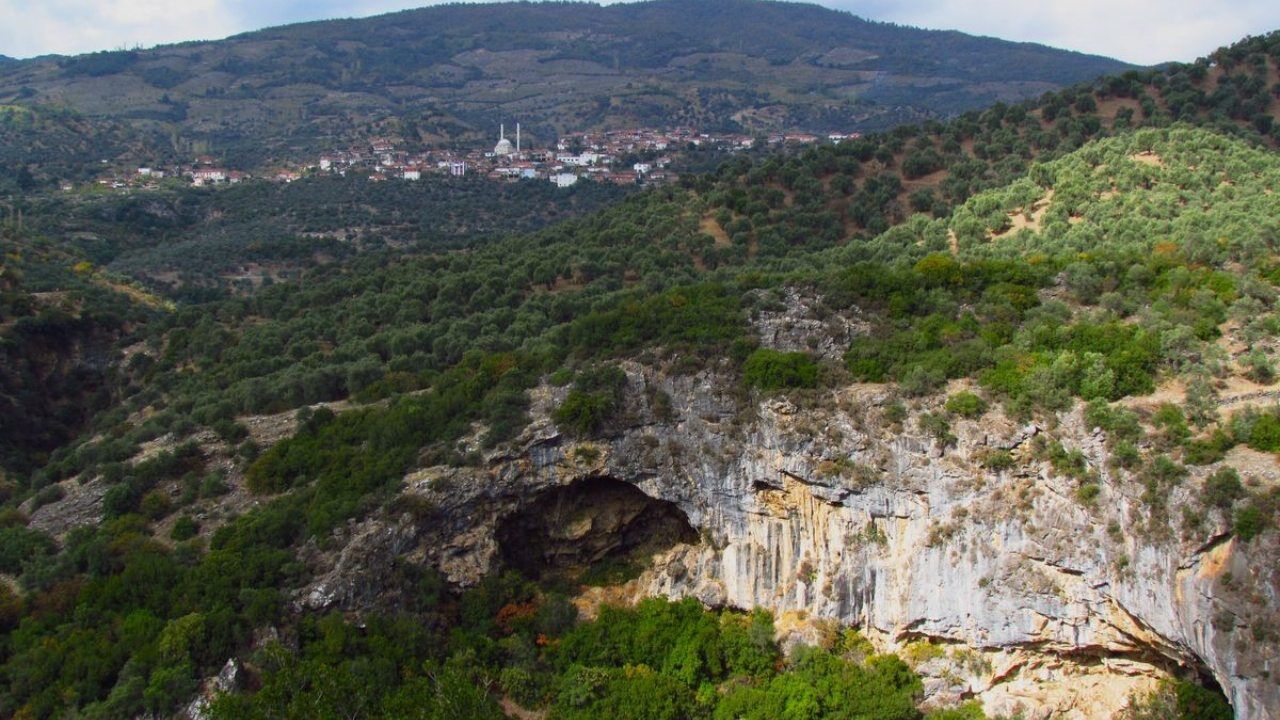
x: 596, y: 531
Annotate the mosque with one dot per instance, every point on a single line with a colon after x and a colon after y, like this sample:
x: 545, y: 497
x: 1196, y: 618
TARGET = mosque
x: 503, y: 148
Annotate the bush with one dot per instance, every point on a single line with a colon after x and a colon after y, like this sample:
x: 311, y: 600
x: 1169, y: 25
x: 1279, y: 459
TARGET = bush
x: 1250, y: 522
x: 595, y: 399
x: 1222, y: 489
x: 155, y: 504
x: 966, y: 404
x: 936, y: 426
x: 772, y: 370
x: 19, y: 545
x: 1088, y: 493
x: 184, y: 528
x: 997, y: 460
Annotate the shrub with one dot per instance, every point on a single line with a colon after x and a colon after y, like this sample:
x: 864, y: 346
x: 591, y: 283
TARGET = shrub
x: 1088, y: 493
x: 966, y: 404
x: 595, y: 399
x: 47, y: 496
x: 19, y: 545
x: 997, y: 460
x: 1222, y: 489
x: 155, y: 504
x: 1209, y: 450
x: 895, y: 413
x: 184, y: 528
x: 1250, y: 522
x: 773, y: 370
x: 583, y: 414
x: 937, y: 427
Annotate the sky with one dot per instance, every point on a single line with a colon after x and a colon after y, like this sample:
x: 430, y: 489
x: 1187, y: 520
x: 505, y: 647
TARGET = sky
x: 1139, y: 31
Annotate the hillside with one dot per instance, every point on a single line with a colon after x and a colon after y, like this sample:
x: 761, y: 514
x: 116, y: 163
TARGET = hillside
x: 41, y: 144
x: 494, y: 334
x: 199, y: 243
x: 1012, y: 455
x: 751, y: 209
x: 453, y: 72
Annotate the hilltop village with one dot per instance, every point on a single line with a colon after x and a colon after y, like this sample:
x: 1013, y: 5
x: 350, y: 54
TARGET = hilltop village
x: 642, y: 156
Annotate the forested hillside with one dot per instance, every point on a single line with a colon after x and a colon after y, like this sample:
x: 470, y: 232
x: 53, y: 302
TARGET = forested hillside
x: 950, y: 307
x: 452, y: 73
x: 1109, y: 244
x: 196, y: 244
x: 39, y: 145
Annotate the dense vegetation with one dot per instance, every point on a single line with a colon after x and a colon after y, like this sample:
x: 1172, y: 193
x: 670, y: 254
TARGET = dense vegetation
x: 54, y: 345
x: 39, y: 144
x: 439, y: 74
x: 197, y: 243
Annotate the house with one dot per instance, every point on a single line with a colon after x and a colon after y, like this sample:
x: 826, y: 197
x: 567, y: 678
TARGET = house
x: 208, y: 176
x: 642, y: 168
x: 412, y: 174
x: 564, y: 180
x: 457, y: 169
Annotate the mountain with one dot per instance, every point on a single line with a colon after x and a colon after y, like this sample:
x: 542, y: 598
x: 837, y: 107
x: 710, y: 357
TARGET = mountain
x: 454, y: 72
x: 1008, y: 454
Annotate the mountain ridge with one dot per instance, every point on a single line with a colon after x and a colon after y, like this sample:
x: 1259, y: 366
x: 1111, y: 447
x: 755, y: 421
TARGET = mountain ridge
x: 449, y: 73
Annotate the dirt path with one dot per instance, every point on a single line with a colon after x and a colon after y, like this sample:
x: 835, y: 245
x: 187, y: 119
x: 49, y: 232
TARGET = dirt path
x: 712, y: 228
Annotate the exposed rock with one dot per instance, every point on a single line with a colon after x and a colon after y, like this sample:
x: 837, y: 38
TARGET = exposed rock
x: 79, y: 505
x: 228, y: 679
x: 796, y: 322
x: 820, y: 508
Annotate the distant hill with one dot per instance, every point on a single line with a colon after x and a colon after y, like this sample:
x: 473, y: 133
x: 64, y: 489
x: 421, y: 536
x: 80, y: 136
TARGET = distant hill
x: 454, y: 72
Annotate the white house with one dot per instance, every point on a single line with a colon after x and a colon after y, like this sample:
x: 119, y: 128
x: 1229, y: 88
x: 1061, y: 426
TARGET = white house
x: 207, y: 176
x: 564, y: 180
x: 412, y: 174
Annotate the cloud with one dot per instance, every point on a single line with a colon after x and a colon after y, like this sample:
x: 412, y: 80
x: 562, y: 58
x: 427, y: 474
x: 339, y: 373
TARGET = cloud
x: 1140, y: 31
x: 73, y: 26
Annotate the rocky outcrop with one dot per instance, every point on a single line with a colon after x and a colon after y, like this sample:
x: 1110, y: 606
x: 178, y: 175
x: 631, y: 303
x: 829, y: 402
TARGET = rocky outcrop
x: 822, y: 507
x: 78, y: 505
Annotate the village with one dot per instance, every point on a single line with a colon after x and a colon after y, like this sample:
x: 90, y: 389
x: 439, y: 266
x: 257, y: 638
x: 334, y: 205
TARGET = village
x: 642, y: 156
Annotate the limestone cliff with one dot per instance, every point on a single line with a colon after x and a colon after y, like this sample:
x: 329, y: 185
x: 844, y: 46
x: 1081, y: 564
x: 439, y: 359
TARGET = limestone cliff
x: 1001, y: 585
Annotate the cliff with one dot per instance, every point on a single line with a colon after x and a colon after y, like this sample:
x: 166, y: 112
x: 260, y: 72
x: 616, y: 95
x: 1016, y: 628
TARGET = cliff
x: 1000, y: 585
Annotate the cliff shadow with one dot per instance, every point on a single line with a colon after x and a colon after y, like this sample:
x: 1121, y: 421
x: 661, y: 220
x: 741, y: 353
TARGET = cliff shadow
x: 598, y: 531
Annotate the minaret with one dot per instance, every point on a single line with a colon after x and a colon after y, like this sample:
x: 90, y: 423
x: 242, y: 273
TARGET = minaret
x: 517, y: 137
x: 502, y: 132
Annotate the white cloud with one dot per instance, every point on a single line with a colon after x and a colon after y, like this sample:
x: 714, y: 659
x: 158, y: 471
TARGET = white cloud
x: 36, y: 27
x: 1141, y: 31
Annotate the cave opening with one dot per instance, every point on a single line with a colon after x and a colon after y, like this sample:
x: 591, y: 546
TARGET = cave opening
x: 598, y: 531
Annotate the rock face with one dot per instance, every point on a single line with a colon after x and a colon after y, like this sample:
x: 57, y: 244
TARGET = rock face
x: 999, y: 585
